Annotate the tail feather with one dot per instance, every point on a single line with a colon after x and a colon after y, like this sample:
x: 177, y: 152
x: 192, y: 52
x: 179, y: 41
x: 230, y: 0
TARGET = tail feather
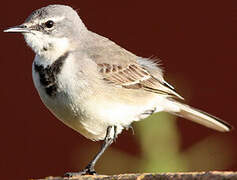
x: 198, y: 116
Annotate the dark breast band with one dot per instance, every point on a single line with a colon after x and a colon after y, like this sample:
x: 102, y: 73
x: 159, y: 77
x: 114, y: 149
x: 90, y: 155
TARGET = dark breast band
x: 48, y: 75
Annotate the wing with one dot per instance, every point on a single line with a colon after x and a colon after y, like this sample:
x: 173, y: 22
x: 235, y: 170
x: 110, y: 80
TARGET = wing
x: 122, y: 68
x: 135, y: 76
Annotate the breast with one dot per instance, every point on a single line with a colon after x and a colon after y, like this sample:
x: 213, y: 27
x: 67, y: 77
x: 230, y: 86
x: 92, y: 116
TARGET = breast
x: 50, y: 91
x: 48, y: 74
x: 46, y: 80
x: 60, y: 93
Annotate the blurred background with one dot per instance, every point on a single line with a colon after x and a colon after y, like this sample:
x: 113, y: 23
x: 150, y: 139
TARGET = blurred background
x: 196, y: 41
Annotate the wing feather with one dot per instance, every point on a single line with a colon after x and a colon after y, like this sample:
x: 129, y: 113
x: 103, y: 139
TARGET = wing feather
x: 134, y: 76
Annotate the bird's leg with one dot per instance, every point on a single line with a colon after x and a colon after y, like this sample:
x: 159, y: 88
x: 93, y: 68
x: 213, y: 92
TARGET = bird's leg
x: 90, y: 168
x: 107, y: 142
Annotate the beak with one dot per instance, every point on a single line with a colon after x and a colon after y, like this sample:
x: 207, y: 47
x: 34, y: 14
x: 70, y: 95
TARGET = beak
x: 18, y: 29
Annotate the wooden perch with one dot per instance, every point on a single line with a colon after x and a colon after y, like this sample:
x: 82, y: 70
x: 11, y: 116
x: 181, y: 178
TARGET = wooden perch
x: 213, y: 175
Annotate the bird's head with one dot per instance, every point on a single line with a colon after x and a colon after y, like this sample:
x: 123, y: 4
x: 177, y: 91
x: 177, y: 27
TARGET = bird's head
x: 51, y: 29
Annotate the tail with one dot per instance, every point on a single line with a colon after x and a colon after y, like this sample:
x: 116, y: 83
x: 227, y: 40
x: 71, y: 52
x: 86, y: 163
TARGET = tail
x: 197, y: 116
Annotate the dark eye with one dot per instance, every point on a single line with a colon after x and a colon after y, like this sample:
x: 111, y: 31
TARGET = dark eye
x: 49, y: 24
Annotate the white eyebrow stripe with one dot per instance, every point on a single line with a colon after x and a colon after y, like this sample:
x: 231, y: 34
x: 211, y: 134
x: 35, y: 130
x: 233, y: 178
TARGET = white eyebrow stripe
x: 55, y: 19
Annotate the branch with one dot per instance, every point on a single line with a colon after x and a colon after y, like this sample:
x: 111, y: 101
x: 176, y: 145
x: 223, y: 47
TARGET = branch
x: 213, y: 175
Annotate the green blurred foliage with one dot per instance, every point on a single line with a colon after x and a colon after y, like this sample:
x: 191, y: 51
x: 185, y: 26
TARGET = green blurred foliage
x: 160, y: 141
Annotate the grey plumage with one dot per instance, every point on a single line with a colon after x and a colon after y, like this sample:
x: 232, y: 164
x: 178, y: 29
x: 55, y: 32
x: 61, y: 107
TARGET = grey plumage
x: 101, y: 88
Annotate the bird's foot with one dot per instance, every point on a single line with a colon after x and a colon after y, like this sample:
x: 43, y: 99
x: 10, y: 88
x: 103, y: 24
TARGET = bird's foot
x: 86, y: 171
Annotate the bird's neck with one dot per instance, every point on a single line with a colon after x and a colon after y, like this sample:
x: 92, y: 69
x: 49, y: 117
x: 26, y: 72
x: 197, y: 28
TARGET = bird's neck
x: 48, y: 49
x: 48, y: 57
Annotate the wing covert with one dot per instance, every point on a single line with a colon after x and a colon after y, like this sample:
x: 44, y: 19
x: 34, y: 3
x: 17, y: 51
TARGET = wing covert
x: 134, y: 76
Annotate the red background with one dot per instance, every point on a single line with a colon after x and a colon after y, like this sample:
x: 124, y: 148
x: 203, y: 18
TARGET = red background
x: 196, y: 41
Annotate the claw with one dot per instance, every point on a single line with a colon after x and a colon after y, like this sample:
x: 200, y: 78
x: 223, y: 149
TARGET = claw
x: 81, y: 173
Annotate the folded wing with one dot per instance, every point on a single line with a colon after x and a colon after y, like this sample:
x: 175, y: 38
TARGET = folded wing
x: 134, y: 76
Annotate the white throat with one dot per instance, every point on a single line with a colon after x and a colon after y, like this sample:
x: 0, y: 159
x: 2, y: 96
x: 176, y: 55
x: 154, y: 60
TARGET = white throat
x: 46, y: 47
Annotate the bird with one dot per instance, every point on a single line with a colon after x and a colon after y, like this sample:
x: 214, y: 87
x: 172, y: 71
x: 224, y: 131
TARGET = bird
x: 93, y: 85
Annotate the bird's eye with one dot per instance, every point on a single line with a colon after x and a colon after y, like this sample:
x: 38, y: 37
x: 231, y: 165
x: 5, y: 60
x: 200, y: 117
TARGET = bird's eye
x: 49, y: 24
